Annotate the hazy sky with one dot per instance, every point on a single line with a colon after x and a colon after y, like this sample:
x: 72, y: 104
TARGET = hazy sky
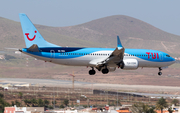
x: 163, y: 14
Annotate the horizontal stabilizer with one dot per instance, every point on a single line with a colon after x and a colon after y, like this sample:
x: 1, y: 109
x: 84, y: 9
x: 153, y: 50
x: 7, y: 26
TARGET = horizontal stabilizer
x: 33, y: 48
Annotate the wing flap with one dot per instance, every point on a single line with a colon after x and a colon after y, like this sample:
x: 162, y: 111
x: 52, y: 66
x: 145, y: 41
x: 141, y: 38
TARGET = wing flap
x: 96, y: 62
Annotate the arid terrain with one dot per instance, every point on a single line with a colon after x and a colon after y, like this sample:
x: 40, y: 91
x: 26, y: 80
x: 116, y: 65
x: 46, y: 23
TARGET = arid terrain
x: 31, y: 68
x: 102, y: 32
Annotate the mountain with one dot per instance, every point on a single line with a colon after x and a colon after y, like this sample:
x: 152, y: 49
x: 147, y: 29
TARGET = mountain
x: 102, y: 32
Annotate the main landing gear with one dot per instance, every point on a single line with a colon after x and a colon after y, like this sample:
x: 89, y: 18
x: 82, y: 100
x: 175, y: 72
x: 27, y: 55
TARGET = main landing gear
x: 105, y: 71
x: 92, y: 71
x: 160, y: 73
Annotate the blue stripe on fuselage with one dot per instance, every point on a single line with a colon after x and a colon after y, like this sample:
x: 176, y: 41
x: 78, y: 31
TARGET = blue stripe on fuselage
x: 66, y: 52
x: 57, y: 49
x: 71, y: 52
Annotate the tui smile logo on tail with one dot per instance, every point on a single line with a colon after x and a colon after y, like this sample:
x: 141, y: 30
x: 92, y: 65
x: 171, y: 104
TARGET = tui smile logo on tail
x: 30, y: 39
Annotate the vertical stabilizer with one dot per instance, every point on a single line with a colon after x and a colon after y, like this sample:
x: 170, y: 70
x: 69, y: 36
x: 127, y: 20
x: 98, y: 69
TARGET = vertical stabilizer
x: 31, y: 34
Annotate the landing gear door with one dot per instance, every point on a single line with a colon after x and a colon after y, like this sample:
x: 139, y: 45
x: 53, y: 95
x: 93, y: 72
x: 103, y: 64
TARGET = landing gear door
x: 52, y: 53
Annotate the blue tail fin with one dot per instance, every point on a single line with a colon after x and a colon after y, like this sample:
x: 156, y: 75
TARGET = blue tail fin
x: 31, y: 34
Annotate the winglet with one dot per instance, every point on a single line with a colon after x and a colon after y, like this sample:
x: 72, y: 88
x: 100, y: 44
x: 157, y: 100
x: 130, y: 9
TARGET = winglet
x: 119, y: 45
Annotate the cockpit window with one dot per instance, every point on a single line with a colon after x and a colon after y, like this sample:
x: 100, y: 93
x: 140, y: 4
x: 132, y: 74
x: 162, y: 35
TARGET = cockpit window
x: 167, y: 55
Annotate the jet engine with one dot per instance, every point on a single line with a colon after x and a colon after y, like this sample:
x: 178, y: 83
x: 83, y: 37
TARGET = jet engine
x: 130, y: 64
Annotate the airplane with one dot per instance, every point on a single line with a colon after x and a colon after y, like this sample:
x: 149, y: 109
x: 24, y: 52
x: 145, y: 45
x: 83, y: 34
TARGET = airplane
x: 103, y: 59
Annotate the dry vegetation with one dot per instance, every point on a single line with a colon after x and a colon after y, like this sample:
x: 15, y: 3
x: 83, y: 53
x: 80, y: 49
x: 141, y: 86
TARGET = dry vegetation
x: 85, y: 96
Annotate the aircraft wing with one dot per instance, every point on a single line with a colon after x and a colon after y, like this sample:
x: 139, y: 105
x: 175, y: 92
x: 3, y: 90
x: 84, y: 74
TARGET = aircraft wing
x: 116, y: 56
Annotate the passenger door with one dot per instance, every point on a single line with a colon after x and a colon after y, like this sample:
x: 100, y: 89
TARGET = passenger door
x: 52, y: 53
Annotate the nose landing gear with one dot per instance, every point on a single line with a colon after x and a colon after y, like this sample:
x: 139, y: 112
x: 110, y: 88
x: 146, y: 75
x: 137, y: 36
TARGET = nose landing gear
x: 160, y: 73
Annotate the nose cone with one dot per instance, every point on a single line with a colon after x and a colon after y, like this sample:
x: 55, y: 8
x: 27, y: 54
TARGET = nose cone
x: 172, y: 60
